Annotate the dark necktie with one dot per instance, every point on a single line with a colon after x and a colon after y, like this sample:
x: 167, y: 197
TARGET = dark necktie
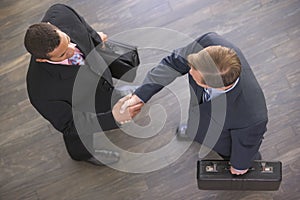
x: 77, y: 58
x: 206, y: 94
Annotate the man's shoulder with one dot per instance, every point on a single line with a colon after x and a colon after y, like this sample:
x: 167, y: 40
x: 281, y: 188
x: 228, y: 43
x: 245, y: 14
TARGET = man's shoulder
x: 61, y: 15
x: 58, y: 8
x: 41, y: 73
x: 210, y: 39
x: 214, y: 39
x: 34, y: 66
x: 250, y: 104
x: 35, y: 74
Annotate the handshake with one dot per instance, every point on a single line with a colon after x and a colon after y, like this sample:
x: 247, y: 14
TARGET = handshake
x: 127, y: 108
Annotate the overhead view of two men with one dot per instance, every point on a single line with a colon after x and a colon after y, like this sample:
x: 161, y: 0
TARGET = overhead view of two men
x: 216, y: 68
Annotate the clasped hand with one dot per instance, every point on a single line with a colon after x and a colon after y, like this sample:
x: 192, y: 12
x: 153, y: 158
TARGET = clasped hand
x: 127, y: 108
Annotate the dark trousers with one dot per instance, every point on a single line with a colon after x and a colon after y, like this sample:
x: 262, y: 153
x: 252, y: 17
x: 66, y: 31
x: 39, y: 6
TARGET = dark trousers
x: 82, y: 148
x: 256, y: 157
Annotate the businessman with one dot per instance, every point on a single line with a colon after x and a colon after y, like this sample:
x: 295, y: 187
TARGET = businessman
x: 59, y: 46
x: 216, y: 69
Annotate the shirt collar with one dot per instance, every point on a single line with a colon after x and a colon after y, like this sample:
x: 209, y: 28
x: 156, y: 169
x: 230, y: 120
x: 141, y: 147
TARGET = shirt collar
x: 63, y: 62
x: 215, y: 92
x: 231, y: 88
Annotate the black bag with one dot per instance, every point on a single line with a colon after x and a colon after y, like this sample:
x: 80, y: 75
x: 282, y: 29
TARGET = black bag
x: 216, y: 175
x: 122, y: 59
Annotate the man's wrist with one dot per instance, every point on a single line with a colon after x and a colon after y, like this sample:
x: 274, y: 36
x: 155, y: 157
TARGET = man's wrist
x: 139, y: 98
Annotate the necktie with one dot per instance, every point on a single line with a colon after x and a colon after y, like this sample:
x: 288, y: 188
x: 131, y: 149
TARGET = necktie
x: 76, y: 59
x: 206, y: 94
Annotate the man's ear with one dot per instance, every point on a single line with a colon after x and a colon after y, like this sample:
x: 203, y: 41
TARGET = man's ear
x: 41, y: 60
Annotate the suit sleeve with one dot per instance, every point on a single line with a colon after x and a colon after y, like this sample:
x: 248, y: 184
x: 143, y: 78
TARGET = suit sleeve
x: 64, y: 9
x: 245, y: 145
x: 95, y: 38
x: 167, y: 71
x: 94, y: 35
x: 68, y: 121
x: 64, y: 16
x: 171, y: 67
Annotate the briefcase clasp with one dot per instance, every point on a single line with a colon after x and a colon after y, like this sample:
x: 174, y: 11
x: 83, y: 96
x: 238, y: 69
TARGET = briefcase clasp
x: 266, y: 169
x: 211, y: 168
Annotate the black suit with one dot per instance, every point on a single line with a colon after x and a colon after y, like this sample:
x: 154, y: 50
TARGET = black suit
x: 245, y: 114
x: 50, y: 86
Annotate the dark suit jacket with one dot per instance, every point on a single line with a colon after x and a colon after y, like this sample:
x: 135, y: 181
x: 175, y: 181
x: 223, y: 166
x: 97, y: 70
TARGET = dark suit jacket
x: 51, y: 86
x: 241, y: 123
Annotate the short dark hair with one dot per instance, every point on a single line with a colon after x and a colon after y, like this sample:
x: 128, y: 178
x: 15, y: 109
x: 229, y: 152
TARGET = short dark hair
x: 41, y: 39
x: 219, y: 66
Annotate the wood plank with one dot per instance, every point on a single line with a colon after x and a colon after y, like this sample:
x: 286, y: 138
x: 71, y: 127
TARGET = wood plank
x: 33, y: 161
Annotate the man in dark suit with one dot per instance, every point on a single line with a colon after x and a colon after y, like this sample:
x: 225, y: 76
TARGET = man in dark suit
x: 62, y: 45
x: 227, y: 104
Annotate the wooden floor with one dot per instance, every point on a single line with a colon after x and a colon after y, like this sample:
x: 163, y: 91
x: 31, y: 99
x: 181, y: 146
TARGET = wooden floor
x: 33, y: 160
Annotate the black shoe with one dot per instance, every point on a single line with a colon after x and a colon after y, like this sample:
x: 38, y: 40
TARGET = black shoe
x: 181, y: 133
x: 104, y: 157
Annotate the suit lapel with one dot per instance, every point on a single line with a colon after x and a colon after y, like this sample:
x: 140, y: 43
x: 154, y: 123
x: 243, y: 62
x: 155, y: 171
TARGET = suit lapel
x: 98, y: 65
x: 235, y: 92
x: 92, y: 57
x: 231, y: 96
x: 85, y: 47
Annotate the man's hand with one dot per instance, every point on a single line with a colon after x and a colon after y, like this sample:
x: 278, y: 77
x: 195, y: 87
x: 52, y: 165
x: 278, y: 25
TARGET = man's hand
x: 128, y: 113
x: 134, y: 100
x: 237, y: 171
x: 103, y: 36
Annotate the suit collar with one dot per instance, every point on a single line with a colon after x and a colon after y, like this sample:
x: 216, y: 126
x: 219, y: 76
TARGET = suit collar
x: 234, y: 93
x: 231, y: 95
x: 87, y: 47
x: 83, y: 41
x: 59, y: 71
x: 69, y: 71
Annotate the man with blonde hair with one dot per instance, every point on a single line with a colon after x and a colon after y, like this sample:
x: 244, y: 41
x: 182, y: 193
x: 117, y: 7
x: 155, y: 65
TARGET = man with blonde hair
x: 225, y: 96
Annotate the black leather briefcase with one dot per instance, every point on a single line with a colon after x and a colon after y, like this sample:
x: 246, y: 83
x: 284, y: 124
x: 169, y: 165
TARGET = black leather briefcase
x: 122, y: 59
x: 215, y: 175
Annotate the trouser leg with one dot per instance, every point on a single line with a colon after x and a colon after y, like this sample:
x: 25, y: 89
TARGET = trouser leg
x: 77, y: 149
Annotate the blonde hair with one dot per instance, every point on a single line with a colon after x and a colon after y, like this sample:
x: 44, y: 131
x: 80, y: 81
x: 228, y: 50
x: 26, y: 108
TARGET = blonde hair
x: 218, y: 65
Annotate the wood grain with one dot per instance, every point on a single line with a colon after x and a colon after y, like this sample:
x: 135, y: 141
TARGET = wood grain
x: 33, y: 161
